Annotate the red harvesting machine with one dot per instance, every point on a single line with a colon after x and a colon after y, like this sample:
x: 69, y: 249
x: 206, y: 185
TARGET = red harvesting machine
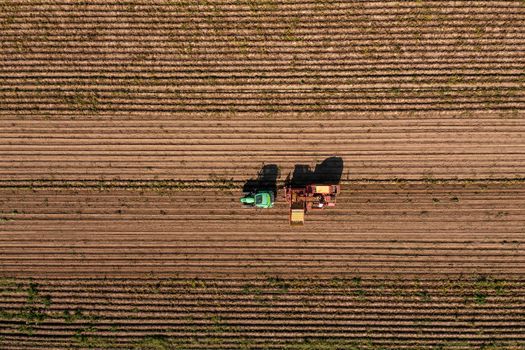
x: 303, y: 199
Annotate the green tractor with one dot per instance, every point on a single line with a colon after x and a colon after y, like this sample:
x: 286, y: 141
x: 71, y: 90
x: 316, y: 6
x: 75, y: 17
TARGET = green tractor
x: 259, y: 199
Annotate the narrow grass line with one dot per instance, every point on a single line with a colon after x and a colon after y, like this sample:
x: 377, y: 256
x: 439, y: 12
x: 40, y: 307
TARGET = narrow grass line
x: 229, y: 184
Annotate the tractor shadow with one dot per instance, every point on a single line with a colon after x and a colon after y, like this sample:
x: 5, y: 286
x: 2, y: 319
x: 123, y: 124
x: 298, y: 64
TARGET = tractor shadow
x: 328, y: 172
x: 266, y: 180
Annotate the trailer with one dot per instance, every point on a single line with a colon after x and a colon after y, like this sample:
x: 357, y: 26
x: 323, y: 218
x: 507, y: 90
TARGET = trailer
x: 309, y: 197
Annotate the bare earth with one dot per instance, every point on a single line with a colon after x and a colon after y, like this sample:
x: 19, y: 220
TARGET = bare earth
x: 128, y: 130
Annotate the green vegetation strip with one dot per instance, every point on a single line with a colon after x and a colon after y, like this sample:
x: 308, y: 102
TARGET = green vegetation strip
x: 222, y: 183
x: 29, y: 308
x: 215, y: 183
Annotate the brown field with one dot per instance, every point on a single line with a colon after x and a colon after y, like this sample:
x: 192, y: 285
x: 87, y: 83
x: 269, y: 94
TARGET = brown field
x: 127, y: 131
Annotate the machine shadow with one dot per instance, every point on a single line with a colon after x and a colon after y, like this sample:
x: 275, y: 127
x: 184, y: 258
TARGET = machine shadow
x: 328, y: 172
x: 266, y: 180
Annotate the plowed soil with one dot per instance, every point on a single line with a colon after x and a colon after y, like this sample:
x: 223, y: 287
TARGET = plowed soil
x: 128, y: 129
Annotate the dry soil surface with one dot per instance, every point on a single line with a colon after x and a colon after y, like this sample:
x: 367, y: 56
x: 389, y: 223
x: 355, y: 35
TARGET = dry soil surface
x: 128, y: 129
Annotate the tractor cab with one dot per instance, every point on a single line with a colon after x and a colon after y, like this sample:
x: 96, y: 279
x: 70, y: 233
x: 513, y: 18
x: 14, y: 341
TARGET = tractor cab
x: 261, y: 199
